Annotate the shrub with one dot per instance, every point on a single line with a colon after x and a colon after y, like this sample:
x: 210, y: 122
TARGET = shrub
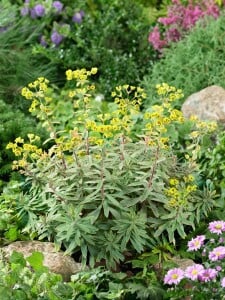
x: 193, y: 63
x: 109, y: 35
x: 98, y: 190
x: 179, y: 20
x: 13, y: 123
x: 211, y: 162
x: 17, y: 62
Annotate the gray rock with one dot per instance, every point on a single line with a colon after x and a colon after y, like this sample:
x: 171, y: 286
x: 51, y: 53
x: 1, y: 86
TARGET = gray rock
x: 208, y: 104
x: 56, y: 261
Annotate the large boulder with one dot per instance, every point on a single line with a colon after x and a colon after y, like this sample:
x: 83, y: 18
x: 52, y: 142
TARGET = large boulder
x: 208, y: 104
x: 56, y: 261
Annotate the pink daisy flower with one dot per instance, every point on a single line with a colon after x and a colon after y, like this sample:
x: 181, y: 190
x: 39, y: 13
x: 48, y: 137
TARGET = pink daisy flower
x: 207, y: 275
x: 174, y: 276
x: 217, y: 253
x: 196, y: 243
x: 192, y: 272
x: 217, y: 227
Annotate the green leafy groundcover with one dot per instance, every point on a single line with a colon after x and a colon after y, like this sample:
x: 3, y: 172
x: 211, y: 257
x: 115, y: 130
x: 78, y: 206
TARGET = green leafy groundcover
x: 28, y: 279
x: 195, y: 62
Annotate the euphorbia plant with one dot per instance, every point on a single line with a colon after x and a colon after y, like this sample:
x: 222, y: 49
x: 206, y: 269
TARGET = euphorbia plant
x: 100, y: 188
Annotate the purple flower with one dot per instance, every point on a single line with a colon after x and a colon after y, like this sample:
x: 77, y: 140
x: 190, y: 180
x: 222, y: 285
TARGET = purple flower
x: 43, y: 41
x: 3, y: 29
x: 78, y: 16
x: 56, y: 38
x: 217, y: 227
x: 174, y: 276
x: 196, y: 243
x: 223, y: 282
x: 192, y: 272
x: 39, y: 10
x: 217, y: 253
x: 207, y: 275
x: 24, y: 11
x: 58, y: 6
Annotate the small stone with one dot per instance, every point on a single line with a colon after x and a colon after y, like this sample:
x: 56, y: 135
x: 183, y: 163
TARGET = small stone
x: 207, y: 104
x: 56, y: 261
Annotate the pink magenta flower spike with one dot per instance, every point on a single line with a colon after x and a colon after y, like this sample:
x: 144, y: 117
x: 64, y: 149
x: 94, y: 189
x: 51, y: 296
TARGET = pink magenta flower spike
x: 174, y: 276
x: 217, y: 253
x: 196, y: 243
x: 155, y: 39
x: 192, y: 272
x: 207, y: 275
x: 217, y: 227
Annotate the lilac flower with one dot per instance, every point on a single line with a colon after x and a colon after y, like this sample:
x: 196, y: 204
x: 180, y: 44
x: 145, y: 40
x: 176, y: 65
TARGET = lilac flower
x: 39, y: 10
x: 192, y: 272
x: 217, y: 227
x: 196, y: 243
x: 207, y: 275
x: 217, y: 253
x: 58, y: 6
x: 174, y: 276
x: 24, y: 11
x: 3, y: 28
x: 223, y: 282
x: 43, y: 41
x: 78, y: 16
x: 56, y: 38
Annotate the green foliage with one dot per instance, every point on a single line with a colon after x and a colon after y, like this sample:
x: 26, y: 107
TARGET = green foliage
x: 98, y: 191
x: 28, y: 279
x: 19, y: 282
x: 18, y: 66
x: 212, y: 161
x: 10, y: 225
x: 193, y: 63
x: 112, y: 37
x: 13, y: 122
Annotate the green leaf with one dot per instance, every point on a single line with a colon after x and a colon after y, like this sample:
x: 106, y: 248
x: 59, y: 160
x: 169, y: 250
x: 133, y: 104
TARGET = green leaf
x: 36, y: 261
x: 17, y: 258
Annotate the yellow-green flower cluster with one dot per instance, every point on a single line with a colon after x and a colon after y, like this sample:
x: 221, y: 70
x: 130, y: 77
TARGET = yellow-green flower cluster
x: 159, y: 117
x: 202, y: 127
x: 180, y: 191
x: 27, y: 151
x: 81, y: 75
x: 36, y: 92
x: 170, y: 92
x: 119, y: 121
x: 128, y: 98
